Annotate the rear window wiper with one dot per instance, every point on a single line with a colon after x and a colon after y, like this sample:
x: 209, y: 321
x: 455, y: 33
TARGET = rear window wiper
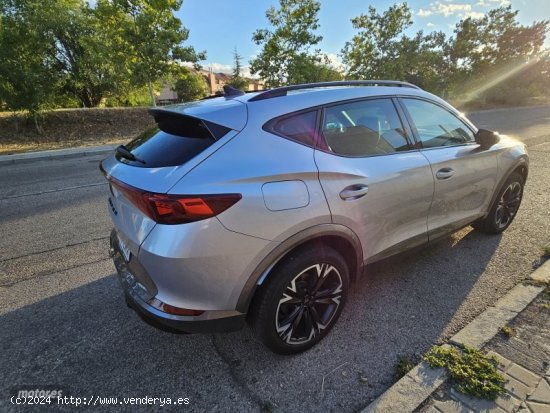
x: 125, y: 153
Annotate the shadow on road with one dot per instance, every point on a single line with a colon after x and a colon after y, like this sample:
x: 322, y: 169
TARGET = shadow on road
x: 88, y: 342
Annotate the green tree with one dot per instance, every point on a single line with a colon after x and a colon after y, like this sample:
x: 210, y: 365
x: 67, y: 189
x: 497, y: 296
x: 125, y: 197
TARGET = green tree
x: 496, y: 58
x: 55, y: 50
x: 154, y: 39
x: 381, y: 50
x: 372, y: 52
x: 190, y: 86
x: 294, y: 25
x: 238, y: 81
x: 91, y: 55
x: 29, y: 74
x: 311, y: 69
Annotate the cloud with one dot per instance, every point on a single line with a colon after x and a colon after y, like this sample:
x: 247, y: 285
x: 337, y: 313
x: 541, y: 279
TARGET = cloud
x: 334, y: 61
x: 493, y: 3
x: 424, y: 13
x: 430, y: 24
x: 449, y: 9
x: 452, y: 9
x: 474, y: 15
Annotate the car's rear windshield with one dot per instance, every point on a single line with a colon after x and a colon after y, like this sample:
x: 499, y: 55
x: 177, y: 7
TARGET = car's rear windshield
x: 174, y: 140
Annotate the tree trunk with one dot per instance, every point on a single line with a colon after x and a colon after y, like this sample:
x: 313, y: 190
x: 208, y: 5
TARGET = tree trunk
x: 151, y: 93
x: 37, y: 125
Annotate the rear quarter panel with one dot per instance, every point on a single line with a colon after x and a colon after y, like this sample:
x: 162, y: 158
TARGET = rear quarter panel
x: 245, y: 165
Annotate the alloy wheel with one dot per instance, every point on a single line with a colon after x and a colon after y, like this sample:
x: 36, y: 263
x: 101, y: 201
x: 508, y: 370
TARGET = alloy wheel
x: 508, y: 205
x: 308, y: 304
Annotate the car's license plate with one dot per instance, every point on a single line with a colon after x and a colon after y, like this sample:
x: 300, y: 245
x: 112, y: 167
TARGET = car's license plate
x: 124, y: 249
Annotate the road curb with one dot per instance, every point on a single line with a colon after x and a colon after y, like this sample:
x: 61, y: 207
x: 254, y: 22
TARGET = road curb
x: 56, y: 154
x: 408, y: 393
x: 504, y: 109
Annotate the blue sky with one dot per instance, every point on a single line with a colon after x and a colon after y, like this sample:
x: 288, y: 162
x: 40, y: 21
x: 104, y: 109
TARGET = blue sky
x: 218, y: 26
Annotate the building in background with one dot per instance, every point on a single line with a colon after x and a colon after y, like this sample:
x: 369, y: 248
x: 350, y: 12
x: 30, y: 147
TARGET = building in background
x: 215, y: 83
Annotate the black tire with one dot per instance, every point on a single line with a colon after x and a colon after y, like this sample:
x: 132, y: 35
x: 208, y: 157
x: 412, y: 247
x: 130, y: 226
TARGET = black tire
x: 301, y: 300
x: 505, y: 207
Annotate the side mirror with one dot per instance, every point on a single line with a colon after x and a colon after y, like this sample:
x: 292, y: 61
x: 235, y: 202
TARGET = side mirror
x: 486, y: 138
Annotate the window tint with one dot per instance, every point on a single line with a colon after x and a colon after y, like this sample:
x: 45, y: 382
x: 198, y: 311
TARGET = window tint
x: 176, y: 139
x: 158, y: 149
x: 437, y: 126
x: 299, y: 127
x: 369, y: 127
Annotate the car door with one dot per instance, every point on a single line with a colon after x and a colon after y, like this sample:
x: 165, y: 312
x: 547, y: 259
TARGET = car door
x: 374, y: 182
x: 464, y: 173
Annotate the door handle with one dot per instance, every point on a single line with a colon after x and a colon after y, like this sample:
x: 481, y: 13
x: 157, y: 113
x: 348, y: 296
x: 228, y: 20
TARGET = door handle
x: 354, y: 192
x: 445, y: 173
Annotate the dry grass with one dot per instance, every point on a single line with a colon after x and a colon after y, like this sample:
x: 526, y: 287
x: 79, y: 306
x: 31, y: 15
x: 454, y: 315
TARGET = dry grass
x: 68, y: 128
x: 12, y: 148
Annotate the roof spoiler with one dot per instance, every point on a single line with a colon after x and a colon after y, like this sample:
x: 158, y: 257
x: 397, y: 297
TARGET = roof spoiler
x: 181, y: 124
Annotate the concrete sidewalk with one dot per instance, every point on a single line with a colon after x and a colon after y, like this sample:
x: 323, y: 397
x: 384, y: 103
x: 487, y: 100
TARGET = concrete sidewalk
x: 526, y: 392
x: 56, y: 154
x: 425, y: 390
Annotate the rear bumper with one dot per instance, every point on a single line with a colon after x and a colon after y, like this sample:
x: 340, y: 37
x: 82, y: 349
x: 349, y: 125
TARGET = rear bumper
x: 138, y: 296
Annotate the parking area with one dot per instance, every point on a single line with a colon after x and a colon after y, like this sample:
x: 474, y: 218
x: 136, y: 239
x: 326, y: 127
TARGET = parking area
x: 64, y: 323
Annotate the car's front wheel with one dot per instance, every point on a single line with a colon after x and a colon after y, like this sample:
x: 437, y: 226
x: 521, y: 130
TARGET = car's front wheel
x: 505, y: 207
x: 301, y: 300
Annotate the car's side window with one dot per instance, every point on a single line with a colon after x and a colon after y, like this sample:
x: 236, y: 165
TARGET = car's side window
x: 364, y: 128
x: 436, y: 126
x: 299, y: 127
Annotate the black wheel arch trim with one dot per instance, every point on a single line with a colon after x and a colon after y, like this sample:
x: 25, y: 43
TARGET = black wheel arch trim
x: 522, y: 162
x: 295, y: 241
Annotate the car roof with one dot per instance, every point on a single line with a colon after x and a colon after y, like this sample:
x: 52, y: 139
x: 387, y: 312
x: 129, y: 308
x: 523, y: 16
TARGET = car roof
x: 236, y: 110
x: 332, y: 93
x: 300, y: 99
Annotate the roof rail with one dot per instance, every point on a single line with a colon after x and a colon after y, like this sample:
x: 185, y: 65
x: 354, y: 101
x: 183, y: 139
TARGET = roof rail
x: 282, y: 91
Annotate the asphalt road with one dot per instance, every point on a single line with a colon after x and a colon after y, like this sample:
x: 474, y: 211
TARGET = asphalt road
x: 64, y: 324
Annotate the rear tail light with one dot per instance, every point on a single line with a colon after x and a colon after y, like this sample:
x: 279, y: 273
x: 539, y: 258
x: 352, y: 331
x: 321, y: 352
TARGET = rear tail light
x: 176, y: 209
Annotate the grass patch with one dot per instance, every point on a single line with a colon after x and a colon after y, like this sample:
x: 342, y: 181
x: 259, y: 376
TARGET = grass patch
x: 545, y: 299
x: 509, y: 332
x: 403, y: 366
x: 470, y: 371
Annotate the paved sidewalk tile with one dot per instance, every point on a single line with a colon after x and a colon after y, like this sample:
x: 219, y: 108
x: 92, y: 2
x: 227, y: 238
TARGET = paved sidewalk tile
x: 542, y: 393
x: 517, y: 388
x: 523, y: 409
x: 542, y: 274
x: 538, y: 407
x: 527, y: 392
x: 503, y: 362
x: 506, y: 402
x: 451, y: 406
x: 523, y: 375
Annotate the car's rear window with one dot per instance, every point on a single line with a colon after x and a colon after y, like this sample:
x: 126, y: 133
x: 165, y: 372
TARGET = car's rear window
x: 173, y: 141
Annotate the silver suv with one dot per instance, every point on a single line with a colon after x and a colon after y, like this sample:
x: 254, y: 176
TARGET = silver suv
x: 264, y: 206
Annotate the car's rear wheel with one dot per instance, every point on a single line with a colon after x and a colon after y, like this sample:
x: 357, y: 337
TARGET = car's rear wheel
x: 505, y: 207
x: 301, y: 300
